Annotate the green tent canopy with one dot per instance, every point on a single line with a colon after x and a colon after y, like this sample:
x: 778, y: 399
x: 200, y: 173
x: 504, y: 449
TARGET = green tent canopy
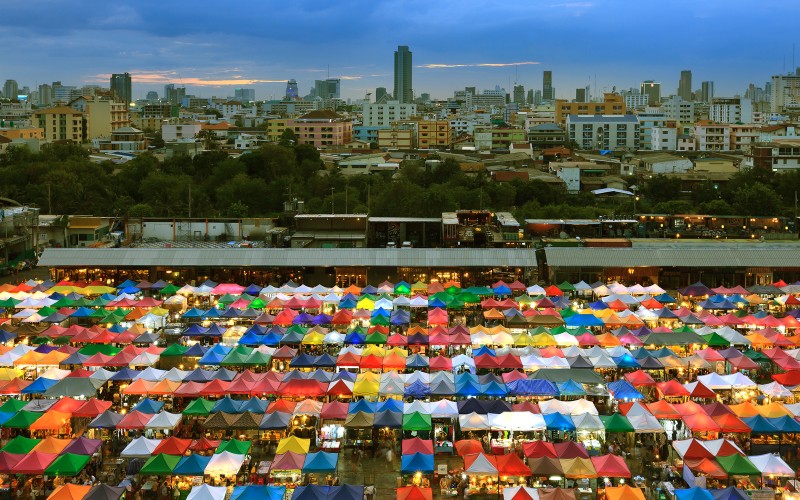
x: 199, y: 407
x: 68, y: 464
x: 20, y: 445
x: 174, y: 350
x: 737, y: 465
x: 160, y: 465
x: 234, y: 446
x: 376, y: 338
x: 616, y: 423
x: 716, y: 340
x: 107, y: 349
x: 22, y: 420
x: 169, y: 290
x: 416, y: 422
x: 12, y: 406
x: 566, y: 286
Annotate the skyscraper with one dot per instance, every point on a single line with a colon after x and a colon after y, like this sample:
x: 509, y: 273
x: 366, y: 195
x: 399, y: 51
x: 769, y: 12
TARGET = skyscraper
x: 652, y: 90
x: 685, y: 85
x: 174, y: 94
x: 10, y: 89
x: 327, y: 89
x: 380, y: 94
x: 244, y: 95
x: 403, y: 91
x: 291, y: 90
x: 547, y: 86
x: 45, y: 95
x: 707, y: 91
x: 580, y: 95
x: 121, y: 87
x: 519, y: 94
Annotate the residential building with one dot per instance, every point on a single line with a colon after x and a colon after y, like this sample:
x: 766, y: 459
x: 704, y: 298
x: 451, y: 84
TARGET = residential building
x: 711, y: 136
x: 547, y: 135
x: 22, y: 133
x: 652, y: 90
x: 171, y: 132
x: 121, y: 87
x: 383, y: 114
x: 519, y: 94
x: 488, y: 138
x: 686, y: 142
x: 192, y: 102
x: 399, y: 136
x: 289, y: 108
x: 174, y: 94
x: 785, y: 93
x: 681, y: 111
x: 150, y: 117
x: 487, y: 100
x: 229, y: 108
x: 102, y: 115
x: 403, y: 84
x: 15, y: 113
x: 613, y: 104
x: 743, y: 135
x: 366, y: 164
x: 433, y: 134
x: 685, y: 85
x: 244, y: 95
x: 127, y: 139
x: 45, y: 97
x: 648, y: 120
x: 636, y: 101
x: 731, y: 110
x: 663, y: 138
x: 322, y: 129
x: 603, y: 131
x: 548, y: 92
x: 61, y: 124
x: 778, y: 155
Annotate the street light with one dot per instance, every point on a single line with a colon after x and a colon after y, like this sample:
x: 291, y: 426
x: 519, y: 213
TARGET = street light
x: 635, y: 199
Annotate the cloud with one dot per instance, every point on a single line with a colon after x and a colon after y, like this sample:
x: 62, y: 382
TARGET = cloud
x: 155, y: 77
x: 478, y: 65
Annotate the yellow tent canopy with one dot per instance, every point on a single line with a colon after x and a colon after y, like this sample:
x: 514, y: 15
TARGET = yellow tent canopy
x: 294, y: 444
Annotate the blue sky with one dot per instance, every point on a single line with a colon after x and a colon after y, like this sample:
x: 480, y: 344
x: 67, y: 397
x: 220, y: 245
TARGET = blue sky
x: 215, y: 46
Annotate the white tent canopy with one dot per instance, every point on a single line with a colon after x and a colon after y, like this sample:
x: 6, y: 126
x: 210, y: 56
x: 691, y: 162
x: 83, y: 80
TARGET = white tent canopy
x: 775, y: 390
x: 140, y: 447
x: 206, y: 492
x: 224, y: 464
x: 771, y: 464
x: 588, y: 422
x: 517, y: 421
x: 473, y: 422
x: 164, y: 421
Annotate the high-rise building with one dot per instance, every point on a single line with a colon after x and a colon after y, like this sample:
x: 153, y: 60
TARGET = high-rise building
x: 652, y: 90
x: 292, y: 92
x: 707, y: 91
x: 121, y: 87
x: 547, y: 86
x: 685, y: 85
x: 174, y: 94
x: 152, y: 96
x: 403, y: 91
x: 519, y: 94
x: 537, y: 97
x: 784, y: 93
x: 580, y: 95
x: 45, y: 95
x: 10, y: 89
x: 244, y: 95
x: 380, y: 94
x: 327, y: 89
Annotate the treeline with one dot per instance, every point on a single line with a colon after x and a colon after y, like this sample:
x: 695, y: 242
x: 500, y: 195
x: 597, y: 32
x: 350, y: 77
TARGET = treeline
x: 62, y: 180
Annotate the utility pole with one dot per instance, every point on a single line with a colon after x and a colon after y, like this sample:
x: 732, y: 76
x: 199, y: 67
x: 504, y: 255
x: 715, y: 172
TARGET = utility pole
x: 332, y: 210
x: 190, y: 200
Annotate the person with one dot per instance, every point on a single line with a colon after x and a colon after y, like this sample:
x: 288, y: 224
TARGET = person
x: 390, y: 455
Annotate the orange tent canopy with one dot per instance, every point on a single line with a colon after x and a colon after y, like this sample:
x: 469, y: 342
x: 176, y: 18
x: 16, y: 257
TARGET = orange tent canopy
x: 624, y: 492
x: 414, y: 493
x: 70, y: 492
x: 52, y: 420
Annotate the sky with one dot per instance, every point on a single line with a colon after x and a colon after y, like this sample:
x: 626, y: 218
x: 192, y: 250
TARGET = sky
x: 212, y: 47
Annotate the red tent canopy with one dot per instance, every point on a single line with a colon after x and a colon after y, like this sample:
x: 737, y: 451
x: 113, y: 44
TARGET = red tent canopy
x: 662, y: 409
x: 571, y: 449
x: 640, y: 378
x: 672, y: 388
x: 173, y: 446
x: 414, y: 493
x: 512, y: 465
x: 335, y: 410
x: 303, y: 387
x: 34, y: 462
x: 417, y: 445
x: 468, y: 447
x: 610, y: 466
x: 536, y: 449
x: 706, y: 466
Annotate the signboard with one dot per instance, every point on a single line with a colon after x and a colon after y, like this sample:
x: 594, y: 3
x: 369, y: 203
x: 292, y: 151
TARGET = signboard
x: 441, y: 469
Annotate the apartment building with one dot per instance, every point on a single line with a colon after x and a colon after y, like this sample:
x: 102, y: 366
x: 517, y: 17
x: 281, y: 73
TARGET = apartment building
x: 604, y: 131
x: 61, y: 124
x: 612, y: 104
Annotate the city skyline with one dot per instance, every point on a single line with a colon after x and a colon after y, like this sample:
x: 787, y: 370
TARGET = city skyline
x: 211, y: 53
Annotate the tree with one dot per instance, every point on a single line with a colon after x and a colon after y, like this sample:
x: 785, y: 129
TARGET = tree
x: 661, y: 188
x: 288, y: 138
x: 756, y: 199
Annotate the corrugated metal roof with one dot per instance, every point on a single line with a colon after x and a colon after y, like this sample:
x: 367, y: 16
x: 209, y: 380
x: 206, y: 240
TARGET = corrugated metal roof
x: 692, y: 256
x: 290, y: 257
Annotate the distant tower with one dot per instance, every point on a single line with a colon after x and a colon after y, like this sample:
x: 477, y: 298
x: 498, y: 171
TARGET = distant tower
x: 45, y: 95
x: 685, y: 85
x: 121, y: 87
x: 707, y: 91
x: 403, y: 91
x: 10, y: 89
x: 652, y: 90
x: 152, y: 96
x: 291, y: 90
x: 380, y: 94
x: 547, y: 86
x: 519, y: 94
x: 580, y: 95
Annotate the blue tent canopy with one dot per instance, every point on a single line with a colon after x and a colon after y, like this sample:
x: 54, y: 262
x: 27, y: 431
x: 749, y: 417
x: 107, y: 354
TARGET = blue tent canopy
x: 198, y: 375
x: 125, y: 374
x: 215, y: 330
x: 400, y: 317
x: 467, y: 388
x: 325, y: 360
x: 622, y: 389
x: 195, y: 351
x: 559, y: 422
x: 39, y: 386
x: 577, y: 320
x: 195, y: 330
x: 785, y: 424
x: 149, y: 406
x: 418, y: 462
x: 362, y: 405
x: 527, y: 387
x: 320, y: 462
x: 355, y: 338
x: 258, y: 492
x: 417, y: 390
x: 693, y: 494
x: 502, y: 290
x: 571, y: 388
x: 483, y: 350
x: 417, y: 361
x: 390, y: 419
x: 494, y: 389
x: 227, y: 405
x: 730, y: 493
x: 272, y: 338
x: 302, y: 361
x: 255, y: 405
x: 82, y: 312
x: 193, y: 313
x: 192, y: 465
x: 5, y: 336
x: 346, y: 492
x: 311, y: 492
x: 391, y: 405
x: 212, y: 313
x: 250, y: 338
x: 626, y: 361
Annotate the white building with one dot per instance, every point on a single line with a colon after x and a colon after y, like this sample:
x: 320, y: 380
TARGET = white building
x: 385, y: 113
x: 648, y: 120
x: 664, y: 139
x: 179, y: 131
x: 245, y: 141
x: 634, y: 101
x: 663, y: 163
x: 785, y: 93
x: 731, y: 110
x: 712, y: 136
x: 229, y: 108
x: 679, y: 110
x: 604, y: 131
